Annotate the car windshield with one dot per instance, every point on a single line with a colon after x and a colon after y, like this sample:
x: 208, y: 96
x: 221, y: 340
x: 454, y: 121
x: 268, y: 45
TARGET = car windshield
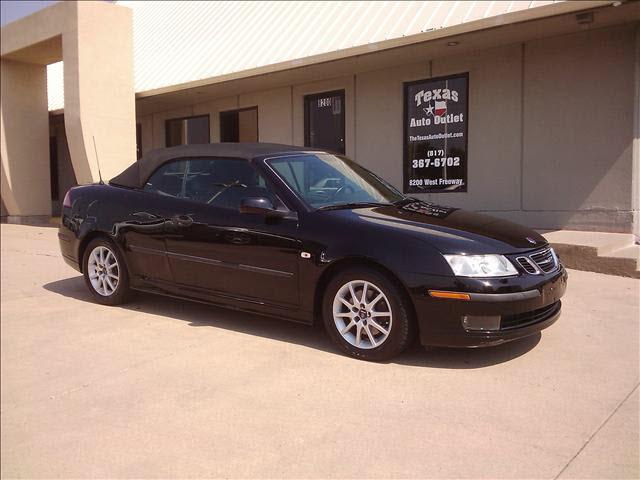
x: 326, y: 181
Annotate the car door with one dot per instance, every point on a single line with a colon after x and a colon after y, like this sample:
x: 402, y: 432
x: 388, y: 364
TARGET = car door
x: 143, y: 230
x: 213, y: 247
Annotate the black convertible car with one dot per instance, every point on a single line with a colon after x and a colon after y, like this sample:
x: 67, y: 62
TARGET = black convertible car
x: 303, y: 234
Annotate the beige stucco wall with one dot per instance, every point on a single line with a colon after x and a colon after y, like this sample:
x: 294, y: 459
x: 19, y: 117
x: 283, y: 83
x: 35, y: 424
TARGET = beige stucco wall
x: 95, y: 42
x: 99, y: 94
x: 494, y: 128
x: 578, y: 117
x: 24, y: 139
x: 274, y: 114
x: 378, y: 118
x: 551, y: 126
x: 274, y: 117
x: 551, y: 129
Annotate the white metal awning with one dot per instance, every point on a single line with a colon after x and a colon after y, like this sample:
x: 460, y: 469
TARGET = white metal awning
x: 177, y: 43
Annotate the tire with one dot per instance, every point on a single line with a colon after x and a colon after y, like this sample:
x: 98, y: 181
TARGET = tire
x: 103, y: 258
x: 386, y: 324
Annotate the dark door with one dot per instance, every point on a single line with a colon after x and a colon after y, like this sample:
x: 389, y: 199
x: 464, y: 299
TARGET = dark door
x: 324, y: 121
x: 61, y: 169
x: 53, y: 166
x: 149, y: 215
x: 239, y: 125
x: 212, y: 247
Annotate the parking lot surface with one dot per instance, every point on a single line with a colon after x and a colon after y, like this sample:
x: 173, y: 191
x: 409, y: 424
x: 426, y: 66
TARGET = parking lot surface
x: 166, y: 388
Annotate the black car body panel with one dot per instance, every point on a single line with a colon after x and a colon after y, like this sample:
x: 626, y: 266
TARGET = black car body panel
x: 278, y: 265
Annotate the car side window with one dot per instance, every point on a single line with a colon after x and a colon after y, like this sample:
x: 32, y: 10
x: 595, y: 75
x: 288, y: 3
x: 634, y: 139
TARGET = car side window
x: 168, y: 179
x: 218, y: 182
x: 292, y: 171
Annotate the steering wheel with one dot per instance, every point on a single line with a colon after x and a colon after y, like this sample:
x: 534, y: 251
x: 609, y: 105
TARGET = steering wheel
x: 343, y: 189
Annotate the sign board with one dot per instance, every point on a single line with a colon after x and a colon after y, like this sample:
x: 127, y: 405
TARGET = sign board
x: 435, y: 134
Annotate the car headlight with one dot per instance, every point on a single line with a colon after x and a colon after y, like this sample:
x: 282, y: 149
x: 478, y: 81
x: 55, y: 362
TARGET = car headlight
x: 481, y: 265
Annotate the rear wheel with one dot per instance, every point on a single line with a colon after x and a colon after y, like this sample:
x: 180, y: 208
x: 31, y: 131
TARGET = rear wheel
x: 367, y: 315
x: 105, y: 272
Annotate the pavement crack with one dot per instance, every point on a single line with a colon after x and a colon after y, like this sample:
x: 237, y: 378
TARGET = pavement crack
x: 606, y: 420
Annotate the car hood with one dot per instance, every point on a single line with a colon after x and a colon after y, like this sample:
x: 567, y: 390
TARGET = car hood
x: 452, y: 230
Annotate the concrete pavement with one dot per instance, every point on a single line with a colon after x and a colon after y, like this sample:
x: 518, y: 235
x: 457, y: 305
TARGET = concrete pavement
x: 164, y: 388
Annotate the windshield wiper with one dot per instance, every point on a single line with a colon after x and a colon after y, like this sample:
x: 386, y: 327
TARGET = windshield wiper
x: 405, y: 201
x: 340, y: 206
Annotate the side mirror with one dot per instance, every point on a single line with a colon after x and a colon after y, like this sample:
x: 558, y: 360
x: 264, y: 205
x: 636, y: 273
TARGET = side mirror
x: 257, y: 206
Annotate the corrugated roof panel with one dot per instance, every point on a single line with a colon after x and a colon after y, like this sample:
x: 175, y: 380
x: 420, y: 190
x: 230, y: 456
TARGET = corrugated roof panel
x: 363, y: 10
x: 333, y: 31
x: 439, y: 17
x: 518, y: 5
x: 315, y: 35
x: 456, y: 14
x: 390, y: 17
x: 338, y: 30
x: 414, y: 24
x: 177, y: 42
x: 497, y: 8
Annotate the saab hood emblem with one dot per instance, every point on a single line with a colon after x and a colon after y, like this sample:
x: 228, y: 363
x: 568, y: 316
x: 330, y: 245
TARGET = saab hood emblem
x: 531, y: 240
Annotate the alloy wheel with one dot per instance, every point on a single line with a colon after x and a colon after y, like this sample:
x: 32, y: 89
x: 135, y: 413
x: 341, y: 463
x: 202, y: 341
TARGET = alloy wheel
x: 362, y: 314
x: 103, y: 270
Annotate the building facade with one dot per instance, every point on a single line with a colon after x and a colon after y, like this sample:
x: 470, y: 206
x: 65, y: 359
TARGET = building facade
x: 551, y: 120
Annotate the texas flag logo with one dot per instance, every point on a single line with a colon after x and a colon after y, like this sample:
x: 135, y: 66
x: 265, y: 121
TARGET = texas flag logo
x: 440, y: 108
x: 437, y: 108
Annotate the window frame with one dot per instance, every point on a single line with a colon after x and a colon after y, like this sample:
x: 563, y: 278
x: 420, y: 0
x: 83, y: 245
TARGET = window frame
x: 175, y: 119
x: 238, y: 110
x: 138, y: 141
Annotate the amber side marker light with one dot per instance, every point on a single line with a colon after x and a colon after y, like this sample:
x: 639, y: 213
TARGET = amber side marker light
x: 453, y: 295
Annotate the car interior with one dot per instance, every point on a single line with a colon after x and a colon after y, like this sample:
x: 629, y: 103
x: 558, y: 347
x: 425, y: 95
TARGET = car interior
x: 218, y: 182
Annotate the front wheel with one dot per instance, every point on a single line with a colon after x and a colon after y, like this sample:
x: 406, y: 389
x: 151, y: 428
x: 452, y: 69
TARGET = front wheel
x: 105, y: 272
x: 367, y: 315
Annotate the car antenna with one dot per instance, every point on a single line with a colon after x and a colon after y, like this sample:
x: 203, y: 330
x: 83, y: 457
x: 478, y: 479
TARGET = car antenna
x: 97, y: 161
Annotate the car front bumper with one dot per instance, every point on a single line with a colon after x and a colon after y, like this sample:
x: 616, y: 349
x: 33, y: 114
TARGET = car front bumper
x: 497, y: 310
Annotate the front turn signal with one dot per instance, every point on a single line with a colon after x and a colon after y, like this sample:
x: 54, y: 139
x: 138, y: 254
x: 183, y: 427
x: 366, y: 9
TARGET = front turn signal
x: 451, y: 295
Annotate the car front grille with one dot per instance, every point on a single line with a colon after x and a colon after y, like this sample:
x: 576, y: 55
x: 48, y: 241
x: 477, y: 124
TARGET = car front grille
x: 519, y: 320
x: 539, y: 262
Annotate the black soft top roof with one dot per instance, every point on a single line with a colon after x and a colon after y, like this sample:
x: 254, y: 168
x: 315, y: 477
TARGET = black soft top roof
x: 137, y: 174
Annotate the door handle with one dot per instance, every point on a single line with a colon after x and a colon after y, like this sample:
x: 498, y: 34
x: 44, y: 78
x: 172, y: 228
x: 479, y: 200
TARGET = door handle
x: 146, y: 216
x: 182, y: 220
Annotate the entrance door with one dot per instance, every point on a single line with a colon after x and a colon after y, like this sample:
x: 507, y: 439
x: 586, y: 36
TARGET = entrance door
x: 324, y: 121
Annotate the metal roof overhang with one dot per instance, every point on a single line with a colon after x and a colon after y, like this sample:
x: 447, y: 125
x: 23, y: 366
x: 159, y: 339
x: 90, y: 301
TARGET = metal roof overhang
x: 520, y: 26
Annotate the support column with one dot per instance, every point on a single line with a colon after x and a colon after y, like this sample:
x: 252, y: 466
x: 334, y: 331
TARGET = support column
x: 95, y: 42
x: 24, y: 139
x: 98, y: 89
